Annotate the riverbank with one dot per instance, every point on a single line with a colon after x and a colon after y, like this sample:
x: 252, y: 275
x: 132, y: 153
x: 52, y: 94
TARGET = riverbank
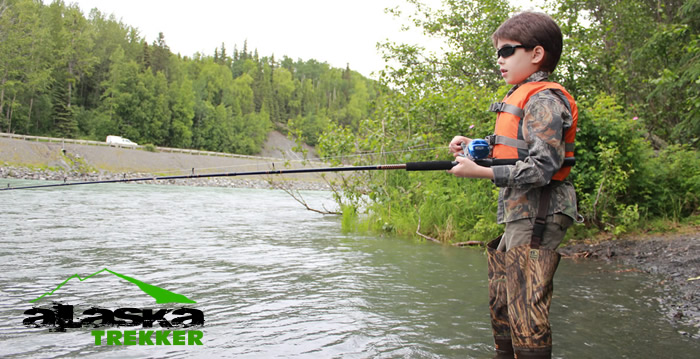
x: 269, y: 182
x: 671, y: 260
x: 57, y: 161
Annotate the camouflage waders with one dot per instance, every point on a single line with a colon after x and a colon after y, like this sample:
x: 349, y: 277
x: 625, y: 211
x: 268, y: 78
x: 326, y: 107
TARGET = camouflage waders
x: 498, y: 300
x: 529, y: 282
x: 520, y: 294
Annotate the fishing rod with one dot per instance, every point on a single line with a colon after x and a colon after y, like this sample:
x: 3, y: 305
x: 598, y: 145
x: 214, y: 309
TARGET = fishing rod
x: 409, y: 166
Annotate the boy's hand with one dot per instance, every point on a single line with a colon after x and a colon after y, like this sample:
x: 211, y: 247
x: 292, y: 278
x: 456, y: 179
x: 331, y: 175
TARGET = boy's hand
x: 467, y: 168
x: 456, y: 145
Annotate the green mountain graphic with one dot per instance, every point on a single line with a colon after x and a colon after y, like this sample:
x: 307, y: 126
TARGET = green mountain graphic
x: 161, y: 295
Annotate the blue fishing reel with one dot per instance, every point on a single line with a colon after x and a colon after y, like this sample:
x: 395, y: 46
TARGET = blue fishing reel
x: 478, y: 149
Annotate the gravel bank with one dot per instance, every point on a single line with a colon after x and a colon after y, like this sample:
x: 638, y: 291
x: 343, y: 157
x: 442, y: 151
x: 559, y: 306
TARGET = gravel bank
x: 272, y: 182
x: 55, y: 161
x: 673, y: 258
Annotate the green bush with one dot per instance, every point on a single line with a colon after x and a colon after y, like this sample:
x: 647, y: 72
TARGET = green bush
x: 150, y: 147
x: 673, y: 183
x: 403, y: 130
x: 621, y: 182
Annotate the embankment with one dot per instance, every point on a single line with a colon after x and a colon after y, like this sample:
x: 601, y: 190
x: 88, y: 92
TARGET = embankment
x: 31, y: 159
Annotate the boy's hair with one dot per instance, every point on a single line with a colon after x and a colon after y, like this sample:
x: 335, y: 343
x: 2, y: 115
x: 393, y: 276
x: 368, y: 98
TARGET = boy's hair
x: 532, y: 29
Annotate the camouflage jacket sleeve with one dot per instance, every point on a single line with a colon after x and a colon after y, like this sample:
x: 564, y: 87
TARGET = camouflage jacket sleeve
x: 546, y: 118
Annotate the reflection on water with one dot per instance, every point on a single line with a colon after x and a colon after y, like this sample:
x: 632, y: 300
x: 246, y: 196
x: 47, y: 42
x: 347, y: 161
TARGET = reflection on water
x: 275, y: 280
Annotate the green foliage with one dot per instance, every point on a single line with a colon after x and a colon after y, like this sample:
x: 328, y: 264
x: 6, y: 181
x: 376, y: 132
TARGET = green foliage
x: 469, y: 55
x: 308, y: 128
x: 150, y: 147
x: 610, y: 150
x: 673, y: 183
x: 646, y: 53
x: 67, y: 75
x: 446, y: 208
x: 434, y: 98
x: 633, y: 68
x: 404, y: 129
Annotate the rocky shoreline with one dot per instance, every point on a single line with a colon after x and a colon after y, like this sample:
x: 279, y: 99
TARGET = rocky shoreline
x: 673, y: 258
x: 24, y: 173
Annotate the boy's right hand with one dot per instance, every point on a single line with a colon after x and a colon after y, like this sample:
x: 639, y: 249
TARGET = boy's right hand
x: 456, y: 145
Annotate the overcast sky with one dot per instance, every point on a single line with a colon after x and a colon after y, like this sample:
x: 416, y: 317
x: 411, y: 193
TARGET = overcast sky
x: 333, y: 31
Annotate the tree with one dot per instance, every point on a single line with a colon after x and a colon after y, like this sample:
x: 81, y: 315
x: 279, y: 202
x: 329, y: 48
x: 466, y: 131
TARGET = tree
x: 644, y: 52
x: 109, y: 35
x: 74, y: 59
x: 283, y: 84
x: 465, y: 27
x: 159, y: 56
x: 627, y: 63
x: 23, y: 68
x: 181, y: 103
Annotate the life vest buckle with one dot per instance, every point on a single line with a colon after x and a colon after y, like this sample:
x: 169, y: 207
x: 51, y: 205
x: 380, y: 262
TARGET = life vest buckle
x: 497, y: 107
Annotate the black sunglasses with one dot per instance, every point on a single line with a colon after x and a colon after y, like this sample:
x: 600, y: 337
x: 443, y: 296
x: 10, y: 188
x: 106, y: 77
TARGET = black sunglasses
x: 509, y: 50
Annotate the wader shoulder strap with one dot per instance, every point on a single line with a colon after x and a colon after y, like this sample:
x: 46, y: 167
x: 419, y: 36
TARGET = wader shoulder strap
x: 541, y: 219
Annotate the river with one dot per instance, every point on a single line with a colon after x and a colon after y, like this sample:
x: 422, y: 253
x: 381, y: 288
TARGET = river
x: 274, y: 280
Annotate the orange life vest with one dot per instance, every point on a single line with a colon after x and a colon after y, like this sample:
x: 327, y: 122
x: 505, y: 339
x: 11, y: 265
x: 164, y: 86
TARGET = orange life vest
x: 508, y: 141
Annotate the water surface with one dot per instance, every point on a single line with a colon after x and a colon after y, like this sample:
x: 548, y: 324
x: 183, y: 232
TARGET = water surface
x: 277, y: 281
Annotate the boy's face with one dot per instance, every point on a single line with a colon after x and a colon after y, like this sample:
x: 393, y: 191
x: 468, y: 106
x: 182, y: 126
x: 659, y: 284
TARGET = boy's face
x: 517, y: 67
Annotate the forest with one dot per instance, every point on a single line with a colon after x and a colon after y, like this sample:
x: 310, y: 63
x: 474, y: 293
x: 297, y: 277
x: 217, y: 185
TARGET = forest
x: 65, y: 74
x: 633, y: 67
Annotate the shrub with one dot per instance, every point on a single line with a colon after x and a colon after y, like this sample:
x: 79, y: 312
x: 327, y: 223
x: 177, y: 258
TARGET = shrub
x: 150, y: 147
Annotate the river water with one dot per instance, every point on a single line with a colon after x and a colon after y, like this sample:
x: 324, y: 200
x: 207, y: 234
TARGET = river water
x: 274, y: 280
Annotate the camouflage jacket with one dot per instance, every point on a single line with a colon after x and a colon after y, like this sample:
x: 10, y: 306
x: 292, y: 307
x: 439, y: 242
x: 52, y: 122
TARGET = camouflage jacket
x: 546, y: 118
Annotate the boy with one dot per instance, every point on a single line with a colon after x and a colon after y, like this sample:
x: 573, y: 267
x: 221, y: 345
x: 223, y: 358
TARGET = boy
x: 535, y: 124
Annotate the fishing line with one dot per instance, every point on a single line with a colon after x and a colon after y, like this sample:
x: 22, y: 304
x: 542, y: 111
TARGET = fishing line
x: 323, y: 160
x: 410, y: 166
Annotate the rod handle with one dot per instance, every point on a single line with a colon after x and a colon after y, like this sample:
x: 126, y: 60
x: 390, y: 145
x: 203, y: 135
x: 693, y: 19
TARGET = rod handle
x: 430, y: 165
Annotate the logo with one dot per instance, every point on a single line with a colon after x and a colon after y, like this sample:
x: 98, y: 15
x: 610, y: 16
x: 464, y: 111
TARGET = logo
x: 171, y: 321
x: 161, y: 295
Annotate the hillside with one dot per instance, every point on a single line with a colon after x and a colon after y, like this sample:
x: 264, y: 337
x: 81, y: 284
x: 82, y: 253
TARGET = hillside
x: 58, y: 161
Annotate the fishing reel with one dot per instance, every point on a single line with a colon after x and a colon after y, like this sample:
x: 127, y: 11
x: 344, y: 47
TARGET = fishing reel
x: 477, y: 149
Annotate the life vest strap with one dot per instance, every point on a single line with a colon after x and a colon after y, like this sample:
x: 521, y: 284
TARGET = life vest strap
x: 503, y: 140
x: 504, y: 107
